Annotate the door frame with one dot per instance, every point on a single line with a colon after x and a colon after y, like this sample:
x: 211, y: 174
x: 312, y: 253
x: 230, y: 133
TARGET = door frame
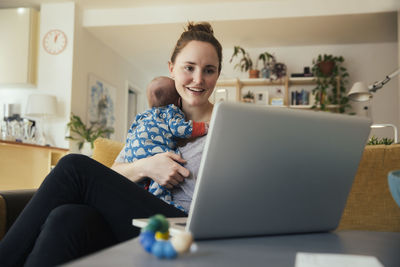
x: 130, y: 86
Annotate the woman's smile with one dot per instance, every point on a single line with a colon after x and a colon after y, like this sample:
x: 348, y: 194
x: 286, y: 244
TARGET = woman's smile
x: 196, y: 90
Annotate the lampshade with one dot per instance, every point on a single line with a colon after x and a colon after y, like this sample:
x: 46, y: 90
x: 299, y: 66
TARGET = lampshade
x: 41, y: 105
x: 359, y: 92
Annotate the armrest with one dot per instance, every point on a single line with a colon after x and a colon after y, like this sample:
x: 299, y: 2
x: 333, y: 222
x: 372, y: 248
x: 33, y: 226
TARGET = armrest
x: 12, y: 202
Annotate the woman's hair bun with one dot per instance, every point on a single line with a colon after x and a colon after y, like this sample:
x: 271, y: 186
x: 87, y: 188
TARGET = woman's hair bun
x: 201, y: 26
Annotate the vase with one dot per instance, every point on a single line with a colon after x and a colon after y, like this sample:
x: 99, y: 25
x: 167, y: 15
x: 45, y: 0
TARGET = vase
x: 87, y: 149
x: 265, y: 73
x: 394, y: 185
x: 254, y: 73
x: 326, y: 67
x: 248, y: 100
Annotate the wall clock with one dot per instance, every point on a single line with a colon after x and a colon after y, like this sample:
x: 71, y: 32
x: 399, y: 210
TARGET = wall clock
x: 55, y: 42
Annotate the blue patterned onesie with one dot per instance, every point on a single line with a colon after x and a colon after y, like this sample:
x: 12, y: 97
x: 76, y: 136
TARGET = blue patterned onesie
x: 154, y: 131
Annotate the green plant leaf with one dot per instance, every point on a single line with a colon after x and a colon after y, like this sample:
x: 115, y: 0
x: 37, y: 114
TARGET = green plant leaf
x: 81, y: 133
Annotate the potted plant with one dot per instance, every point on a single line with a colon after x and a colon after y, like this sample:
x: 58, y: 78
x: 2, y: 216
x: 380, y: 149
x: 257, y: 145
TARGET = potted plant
x: 269, y: 62
x: 246, y: 63
x: 331, y: 78
x: 82, y: 134
x: 383, y: 141
x: 249, y: 97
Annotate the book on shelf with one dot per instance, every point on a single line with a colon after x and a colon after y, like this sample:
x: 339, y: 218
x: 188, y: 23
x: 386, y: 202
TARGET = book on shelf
x: 300, y: 98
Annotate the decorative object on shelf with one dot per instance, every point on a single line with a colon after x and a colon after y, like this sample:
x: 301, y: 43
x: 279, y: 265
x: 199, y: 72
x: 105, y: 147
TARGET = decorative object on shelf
x: 101, y: 103
x: 268, y: 64
x: 154, y: 238
x: 384, y: 125
x: 278, y: 71
x: 81, y: 133
x: 39, y: 108
x: 249, y: 97
x: 277, y: 98
x: 360, y: 92
x: 246, y: 63
x: 11, y: 112
x: 376, y: 141
x: 306, y: 73
x: 262, y: 98
x: 331, y: 79
x: 12, y: 126
x: 55, y: 41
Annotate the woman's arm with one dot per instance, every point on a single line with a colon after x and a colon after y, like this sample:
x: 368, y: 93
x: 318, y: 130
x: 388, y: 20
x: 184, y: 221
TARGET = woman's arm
x: 164, y: 168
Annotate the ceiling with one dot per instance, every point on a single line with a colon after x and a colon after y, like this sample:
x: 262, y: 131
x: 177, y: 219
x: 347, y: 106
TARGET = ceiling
x: 145, y: 31
x: 151, y: 45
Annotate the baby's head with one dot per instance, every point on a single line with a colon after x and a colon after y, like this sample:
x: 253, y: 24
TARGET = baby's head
x: 161, y: 92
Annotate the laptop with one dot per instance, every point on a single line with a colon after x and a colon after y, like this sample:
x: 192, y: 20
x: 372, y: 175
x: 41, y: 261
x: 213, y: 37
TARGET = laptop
x: 270, y: 170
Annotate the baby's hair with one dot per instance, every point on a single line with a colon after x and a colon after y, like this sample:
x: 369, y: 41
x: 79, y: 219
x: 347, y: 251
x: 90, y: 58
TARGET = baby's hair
x: 162, y: 94
x: 201, y: 31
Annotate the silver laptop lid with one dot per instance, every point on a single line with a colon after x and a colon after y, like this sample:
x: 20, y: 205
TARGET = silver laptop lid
x: 268, y: 170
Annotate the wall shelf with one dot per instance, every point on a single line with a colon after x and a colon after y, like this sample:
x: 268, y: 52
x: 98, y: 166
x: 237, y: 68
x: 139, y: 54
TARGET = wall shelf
x: 286, y: 82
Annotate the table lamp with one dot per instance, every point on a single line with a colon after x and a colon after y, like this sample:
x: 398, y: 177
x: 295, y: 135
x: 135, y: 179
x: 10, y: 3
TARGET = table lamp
x: 39, y: 107
x: 359, y: 92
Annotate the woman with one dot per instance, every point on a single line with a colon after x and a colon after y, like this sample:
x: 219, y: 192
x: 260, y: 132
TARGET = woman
x: 83, y: 206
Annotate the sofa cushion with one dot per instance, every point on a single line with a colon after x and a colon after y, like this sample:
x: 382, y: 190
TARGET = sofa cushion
x: 105, y: 150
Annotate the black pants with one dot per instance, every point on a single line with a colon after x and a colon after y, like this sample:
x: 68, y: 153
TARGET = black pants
x: 81, y: 207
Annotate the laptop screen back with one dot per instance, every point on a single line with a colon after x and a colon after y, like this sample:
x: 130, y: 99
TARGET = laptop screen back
x: 268, y: 170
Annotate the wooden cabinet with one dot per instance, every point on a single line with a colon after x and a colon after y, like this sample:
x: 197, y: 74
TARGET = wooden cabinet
x: 19, y: 35
x: 24, y: 166
x: 286, y: 83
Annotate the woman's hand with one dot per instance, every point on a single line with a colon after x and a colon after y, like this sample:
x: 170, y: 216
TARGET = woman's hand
x: 166, y: 170
x: 163, y: 168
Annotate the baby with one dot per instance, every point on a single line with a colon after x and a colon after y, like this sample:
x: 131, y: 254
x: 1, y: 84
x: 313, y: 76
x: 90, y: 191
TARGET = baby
x: 155, y: 130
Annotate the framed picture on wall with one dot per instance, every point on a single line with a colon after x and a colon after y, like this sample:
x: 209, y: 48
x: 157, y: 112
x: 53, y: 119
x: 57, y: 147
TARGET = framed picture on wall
x: 261, y: 98
x: 101, y: 104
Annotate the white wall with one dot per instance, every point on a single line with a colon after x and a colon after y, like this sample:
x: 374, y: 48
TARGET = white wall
x: 92, y: 56
x: 66, y: 75
x: 364, y: 62
x: 55, y: 71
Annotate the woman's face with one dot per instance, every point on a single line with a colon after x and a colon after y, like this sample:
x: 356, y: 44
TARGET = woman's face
x: 195, y: 72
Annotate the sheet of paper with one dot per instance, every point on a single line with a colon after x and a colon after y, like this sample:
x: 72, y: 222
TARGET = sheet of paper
x: 333, y: 260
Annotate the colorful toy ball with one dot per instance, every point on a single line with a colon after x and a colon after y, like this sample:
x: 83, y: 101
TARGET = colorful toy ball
x: 155, y: 239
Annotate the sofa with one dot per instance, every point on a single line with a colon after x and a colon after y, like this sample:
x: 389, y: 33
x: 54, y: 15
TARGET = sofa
x: 12, y: 202
x: 369, y: 206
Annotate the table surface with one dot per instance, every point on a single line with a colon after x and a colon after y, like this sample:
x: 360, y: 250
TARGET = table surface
x: 257, y: 251
x: 32, y: 145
